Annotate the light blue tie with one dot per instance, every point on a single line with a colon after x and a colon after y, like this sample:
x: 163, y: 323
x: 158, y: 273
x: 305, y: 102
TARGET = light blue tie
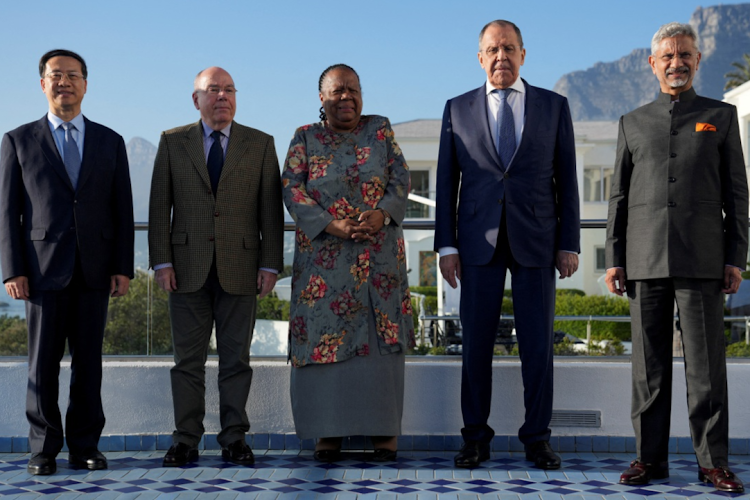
x: 506, y: 133
x: 71, y: 156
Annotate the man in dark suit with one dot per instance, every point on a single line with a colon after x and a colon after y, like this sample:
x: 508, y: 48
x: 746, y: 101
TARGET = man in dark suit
x: 66, y: 239
x: 216, y: 228
x: 507, y: 152
x: 679, y: 166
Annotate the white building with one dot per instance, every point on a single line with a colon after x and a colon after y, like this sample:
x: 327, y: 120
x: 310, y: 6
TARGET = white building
x: 595, y: 156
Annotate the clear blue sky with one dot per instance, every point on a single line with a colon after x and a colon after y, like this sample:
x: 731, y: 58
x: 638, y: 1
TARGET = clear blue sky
x: 411, y: 55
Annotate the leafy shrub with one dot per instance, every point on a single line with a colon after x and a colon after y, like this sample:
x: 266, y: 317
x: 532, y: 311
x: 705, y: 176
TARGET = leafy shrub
x: 568, y: 304
x: 738, y: 350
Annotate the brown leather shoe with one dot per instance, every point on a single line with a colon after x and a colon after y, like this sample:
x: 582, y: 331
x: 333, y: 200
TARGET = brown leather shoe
x: 722, y: 478
x: 642, y: 473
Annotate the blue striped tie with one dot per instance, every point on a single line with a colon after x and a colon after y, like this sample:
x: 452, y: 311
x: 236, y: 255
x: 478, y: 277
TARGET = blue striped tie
x: 506, y: 134
x: 71, y: 156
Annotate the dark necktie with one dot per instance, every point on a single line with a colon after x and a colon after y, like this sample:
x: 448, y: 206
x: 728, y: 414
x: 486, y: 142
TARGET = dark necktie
x: 215, y: 161
x: 71, y: 156
x: 506, y: 135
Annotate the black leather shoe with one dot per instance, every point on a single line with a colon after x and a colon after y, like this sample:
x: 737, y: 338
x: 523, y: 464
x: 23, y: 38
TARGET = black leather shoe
x: 238, y: 453
x: 641, y: 473
x: 327, y: 456
x: 722, y: 478
x: 91, y: 460
x: 542, y: 455
x: 472, y: 454
x: 180, y: 454
x: 384, y: 455
x: 42, y: 464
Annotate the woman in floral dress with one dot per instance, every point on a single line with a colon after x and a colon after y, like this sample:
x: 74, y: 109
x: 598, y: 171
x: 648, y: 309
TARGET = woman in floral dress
x: 345, y: 184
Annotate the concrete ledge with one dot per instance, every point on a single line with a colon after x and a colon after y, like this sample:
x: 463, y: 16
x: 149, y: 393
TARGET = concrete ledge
x: 138, y: 404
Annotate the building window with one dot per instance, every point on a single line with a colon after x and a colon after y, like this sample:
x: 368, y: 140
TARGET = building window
x: 601, y: 260
x: 597, y: 182
x: 420, y: 185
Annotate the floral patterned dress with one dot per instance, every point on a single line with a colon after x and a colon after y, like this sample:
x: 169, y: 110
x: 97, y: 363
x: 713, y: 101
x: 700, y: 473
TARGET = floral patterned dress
x: 337, y: 284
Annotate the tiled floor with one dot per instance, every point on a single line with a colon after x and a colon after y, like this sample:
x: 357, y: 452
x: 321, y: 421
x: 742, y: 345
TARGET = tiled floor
x: 416, y: 476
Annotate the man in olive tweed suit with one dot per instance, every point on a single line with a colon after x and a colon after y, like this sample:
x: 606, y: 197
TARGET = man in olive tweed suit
x: 215, y: 240
x: 677, y: 231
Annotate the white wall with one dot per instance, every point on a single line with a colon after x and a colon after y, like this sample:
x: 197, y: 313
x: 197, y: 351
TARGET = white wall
x: 137, y: 397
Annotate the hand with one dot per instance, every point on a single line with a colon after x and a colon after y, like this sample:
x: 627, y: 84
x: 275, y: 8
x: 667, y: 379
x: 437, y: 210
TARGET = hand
x: 166, y: 279
x: 615, y: 280
x: 566, y: 263
x: 266, y: 282
x: 342, y: 228
x: 18, y: 288
x: 732, y: 279
x: 118, y: 285
x: 450, y: 268
x: 370, y: 222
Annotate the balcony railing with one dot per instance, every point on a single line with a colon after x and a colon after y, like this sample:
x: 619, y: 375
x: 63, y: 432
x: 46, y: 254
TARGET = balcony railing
x: 138, y: 324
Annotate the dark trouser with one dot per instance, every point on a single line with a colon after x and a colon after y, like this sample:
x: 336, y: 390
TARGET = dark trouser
x: 700, y: 304
x: 534, y: 312
x: 193, y: 315
x: 76, y: 313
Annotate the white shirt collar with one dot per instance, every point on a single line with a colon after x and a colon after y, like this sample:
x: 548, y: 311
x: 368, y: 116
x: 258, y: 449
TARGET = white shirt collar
x: 518, y: 86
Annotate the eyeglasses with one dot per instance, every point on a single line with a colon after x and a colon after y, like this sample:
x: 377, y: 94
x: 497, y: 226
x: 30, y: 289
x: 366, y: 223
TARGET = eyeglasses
x: 216, y: 90
x: 57, y: 76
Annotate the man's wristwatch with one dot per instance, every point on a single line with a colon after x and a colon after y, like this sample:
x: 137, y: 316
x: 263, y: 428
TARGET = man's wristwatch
x: 386, y: 217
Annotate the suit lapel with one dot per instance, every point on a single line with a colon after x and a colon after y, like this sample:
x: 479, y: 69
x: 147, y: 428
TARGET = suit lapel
x: 478, y: 108
x: 531, y: 122
x: 238, y: 144
x: 43, y: 136
x: 88, y: 162
x: 193, y: 141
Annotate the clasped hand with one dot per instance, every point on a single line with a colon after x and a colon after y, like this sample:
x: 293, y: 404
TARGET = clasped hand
x: 362, y: 229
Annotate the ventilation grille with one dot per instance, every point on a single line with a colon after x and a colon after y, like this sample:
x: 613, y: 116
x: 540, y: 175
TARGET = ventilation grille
x: 576, y: 418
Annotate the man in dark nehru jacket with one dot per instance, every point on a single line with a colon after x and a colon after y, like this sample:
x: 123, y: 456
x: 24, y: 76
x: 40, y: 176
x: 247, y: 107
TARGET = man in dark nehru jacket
x: 66, y: 240
x: 677, y: 231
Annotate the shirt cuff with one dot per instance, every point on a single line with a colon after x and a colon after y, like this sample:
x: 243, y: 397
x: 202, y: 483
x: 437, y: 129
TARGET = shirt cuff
x: 162, y: 266
x: 268, y: 269
x: 446, y: 251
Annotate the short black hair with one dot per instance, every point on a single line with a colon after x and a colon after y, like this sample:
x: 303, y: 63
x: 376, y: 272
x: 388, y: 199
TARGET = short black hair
x: 323, y: 75
x: 65, y: 53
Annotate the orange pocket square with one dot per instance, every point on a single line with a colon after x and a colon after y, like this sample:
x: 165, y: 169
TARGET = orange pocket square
x: 705, y: 127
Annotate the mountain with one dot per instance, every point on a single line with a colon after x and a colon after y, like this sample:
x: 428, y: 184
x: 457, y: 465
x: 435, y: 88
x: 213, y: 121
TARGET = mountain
x: 141, y: 154
x: 608, y: 90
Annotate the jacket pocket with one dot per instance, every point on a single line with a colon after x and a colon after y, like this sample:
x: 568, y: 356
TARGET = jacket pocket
x: 250, y: 243
x: 179, y: 238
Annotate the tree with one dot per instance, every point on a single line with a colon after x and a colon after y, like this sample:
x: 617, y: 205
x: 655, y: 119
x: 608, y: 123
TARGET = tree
x: 742, y: 75
x: 13, y: 336
x: 127, y: 331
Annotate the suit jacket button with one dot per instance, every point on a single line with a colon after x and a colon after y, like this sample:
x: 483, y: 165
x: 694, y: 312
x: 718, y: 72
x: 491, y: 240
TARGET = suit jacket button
x: 673, y: 155
x: 671, y: 204
x: 672, y: 179
x: 506, y: 175
x: 674, y: 132
x: 500, y: 201
x: 210, y: 238
x: 216, y: 214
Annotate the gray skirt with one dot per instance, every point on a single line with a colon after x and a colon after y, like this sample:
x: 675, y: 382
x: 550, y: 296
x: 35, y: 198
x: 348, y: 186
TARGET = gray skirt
x: 362, y: 396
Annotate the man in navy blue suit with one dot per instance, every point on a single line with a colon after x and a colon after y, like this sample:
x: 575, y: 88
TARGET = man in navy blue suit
x: 66, y: 241
x: 507, y: 199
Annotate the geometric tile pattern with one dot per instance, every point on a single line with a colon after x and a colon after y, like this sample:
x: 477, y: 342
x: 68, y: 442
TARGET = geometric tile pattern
x: 415, y: 475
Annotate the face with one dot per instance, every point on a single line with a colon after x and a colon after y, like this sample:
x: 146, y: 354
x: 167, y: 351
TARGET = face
x: 217, y: 106
x: 341, y: 98
x: 675, y: 64
x: 501, y: 55
x: 64, y: 86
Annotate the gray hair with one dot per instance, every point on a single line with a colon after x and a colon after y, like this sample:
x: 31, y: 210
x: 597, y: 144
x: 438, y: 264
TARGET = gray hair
x: 502, y: 23
x: 670, y: 30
